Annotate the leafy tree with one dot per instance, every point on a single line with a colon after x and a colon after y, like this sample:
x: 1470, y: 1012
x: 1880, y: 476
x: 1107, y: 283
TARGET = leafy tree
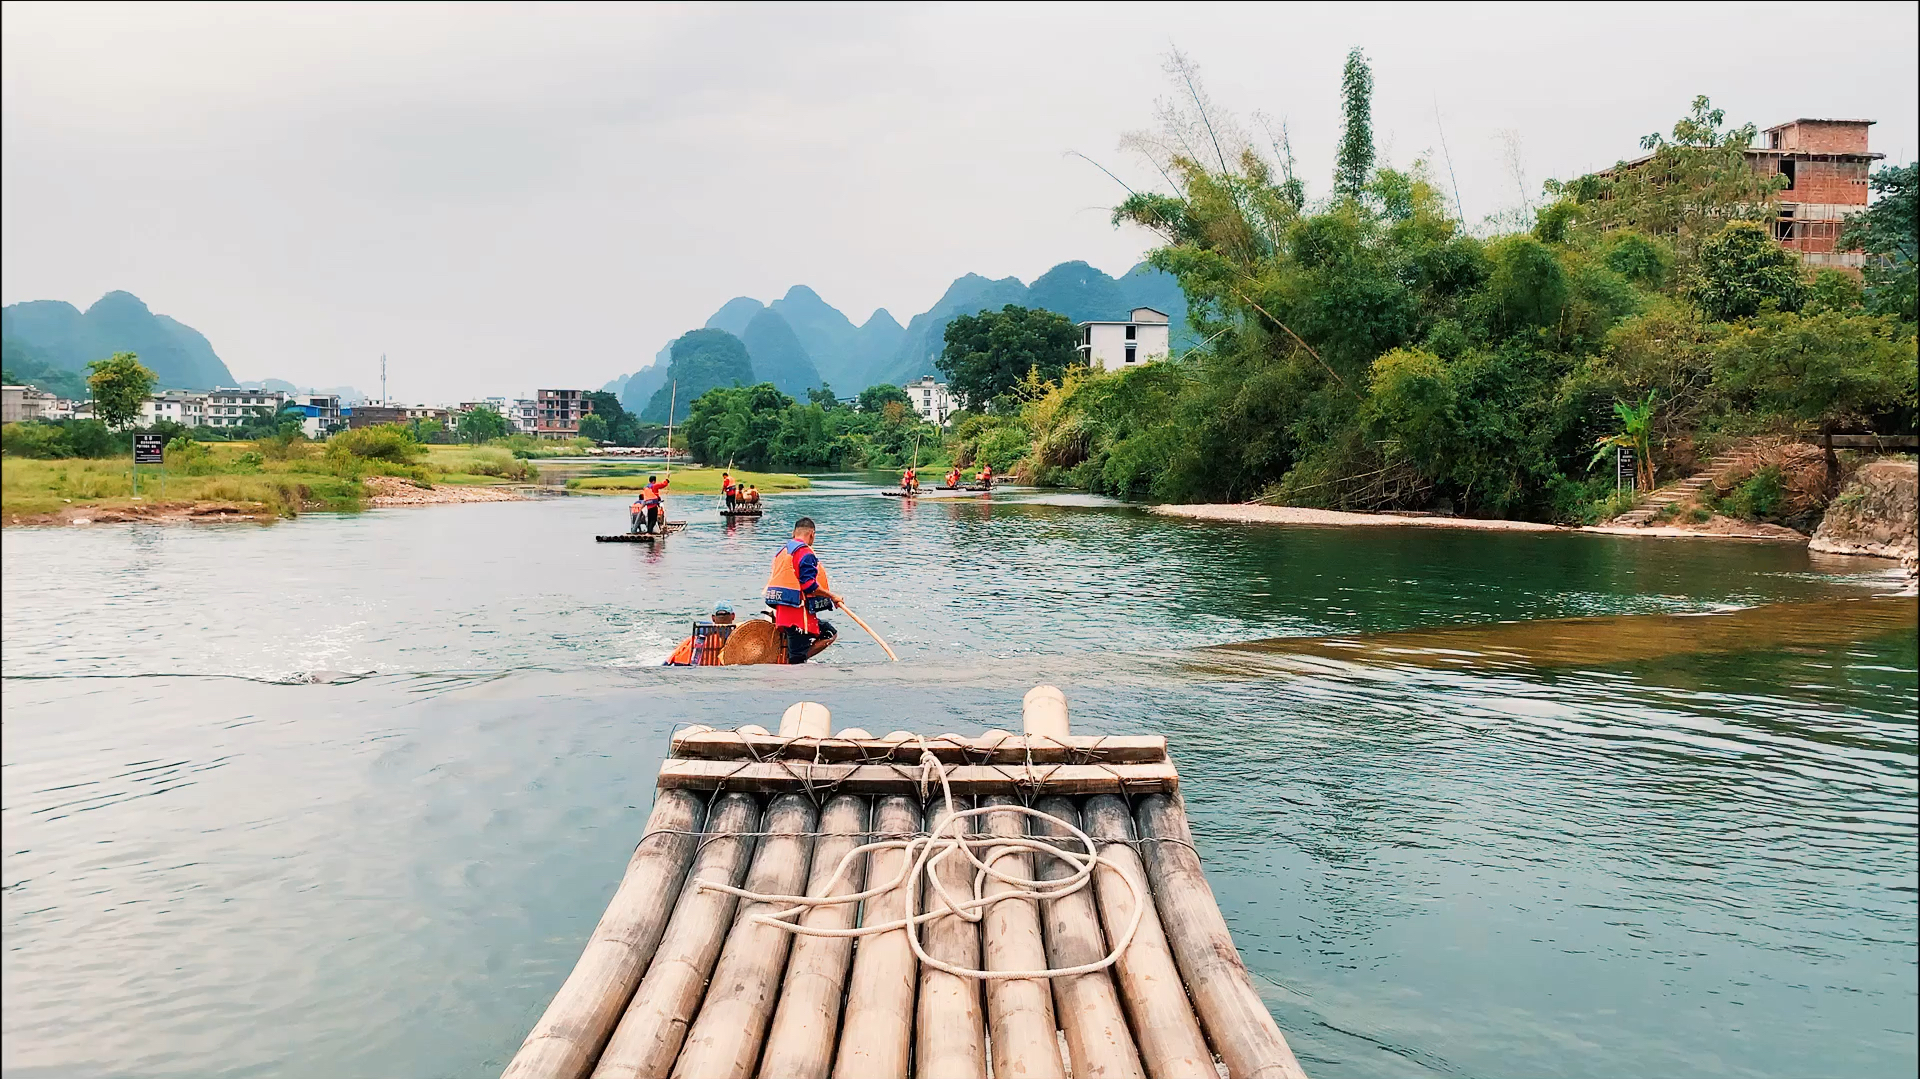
x: 1833, y: 290
x: 822, y: 395
x: 1687, y: 187
x: 1820, y: 371
x: 1886, y: 232
x: 120, y: 386
x: 484, y: 424
x: 874, y: 398
x: 593, y: 426
x: 1353, y: 165
x: 987, y: 354
x: 1741, y: 270
x: 1636, y: 434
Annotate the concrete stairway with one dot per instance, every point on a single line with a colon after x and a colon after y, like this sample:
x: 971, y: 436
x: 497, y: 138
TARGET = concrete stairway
x: 1674, y: 493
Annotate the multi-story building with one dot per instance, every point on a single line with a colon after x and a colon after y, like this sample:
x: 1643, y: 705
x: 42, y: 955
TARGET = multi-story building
x: 18, y: 403
x: 175, y: 406
x: 372, y: 415
x: 524, y: 414
x: 236, y: 407
x: 930, y: 399
x: 323, y: 413
x: 560, y: 412
x: 1825, y: 163
x: 1114, y: 346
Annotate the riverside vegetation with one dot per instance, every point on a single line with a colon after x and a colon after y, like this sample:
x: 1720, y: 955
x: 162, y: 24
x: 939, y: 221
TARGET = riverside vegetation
x: 281, y: 475
x: 1367, y: 351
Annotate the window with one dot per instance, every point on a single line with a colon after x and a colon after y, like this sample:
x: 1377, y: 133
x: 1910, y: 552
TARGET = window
x: 1132, y: 331
x: 1086, y: 337
x: 1786, y: 169
x: 1130, y: 350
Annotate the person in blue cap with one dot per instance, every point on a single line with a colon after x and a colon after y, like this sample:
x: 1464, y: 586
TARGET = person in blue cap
x: 702, y: 649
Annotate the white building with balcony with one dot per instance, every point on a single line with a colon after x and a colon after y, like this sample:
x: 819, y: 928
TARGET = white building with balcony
x: 174, y: 406
x: 1116, y: 346
x: 237, y: 408
x: 930, y: 399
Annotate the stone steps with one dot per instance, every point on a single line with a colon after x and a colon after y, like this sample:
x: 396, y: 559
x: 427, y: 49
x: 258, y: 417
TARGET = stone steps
x: 1681, y: 491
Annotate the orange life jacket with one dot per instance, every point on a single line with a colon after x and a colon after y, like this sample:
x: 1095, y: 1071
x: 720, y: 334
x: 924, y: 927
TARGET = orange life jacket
x: 792, y: 605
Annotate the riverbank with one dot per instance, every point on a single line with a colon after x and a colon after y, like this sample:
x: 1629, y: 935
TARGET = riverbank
x: 1300, y: 515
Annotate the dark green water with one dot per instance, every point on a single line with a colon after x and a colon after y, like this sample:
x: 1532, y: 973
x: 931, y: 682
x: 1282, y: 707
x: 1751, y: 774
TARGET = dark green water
x: 1618, y: 852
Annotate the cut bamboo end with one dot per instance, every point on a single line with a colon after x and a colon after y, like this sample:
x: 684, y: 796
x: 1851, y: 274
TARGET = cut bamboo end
x: 806, y: 720
x: 1043, y: 712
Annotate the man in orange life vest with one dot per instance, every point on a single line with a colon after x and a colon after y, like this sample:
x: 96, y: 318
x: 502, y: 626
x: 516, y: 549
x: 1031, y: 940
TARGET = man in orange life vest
x: 727, y: 489
x: 910, y: 481
x: 986, y: 476
x: 953, y: 476
x: 650, y: 500
x: 797, y: 590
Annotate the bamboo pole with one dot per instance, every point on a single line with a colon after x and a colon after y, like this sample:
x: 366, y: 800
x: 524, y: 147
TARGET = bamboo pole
x: 1019, y: 1010
x: 1043, y: 713
x: 1164, y: 1026
x: 877, y: 1036
x: 800, y: 1042
x: 576, y: 1025
x: 950, y: 1037
x: 649, y: 1035
x: 725, y: 1039
x: 1230, y: 1008
x: 1098, y: 1042
x: 806, y: 720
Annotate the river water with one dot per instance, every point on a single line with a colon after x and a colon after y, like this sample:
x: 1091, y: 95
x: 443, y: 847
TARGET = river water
x: 1473, y: 803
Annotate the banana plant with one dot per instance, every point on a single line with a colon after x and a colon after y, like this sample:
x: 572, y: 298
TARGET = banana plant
x: 1636, y: 434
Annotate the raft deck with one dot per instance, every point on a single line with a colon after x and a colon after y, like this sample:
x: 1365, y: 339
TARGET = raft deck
x: 683, y: 979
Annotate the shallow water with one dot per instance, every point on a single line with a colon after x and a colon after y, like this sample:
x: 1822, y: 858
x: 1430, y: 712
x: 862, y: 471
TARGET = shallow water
x: 1443, y: 848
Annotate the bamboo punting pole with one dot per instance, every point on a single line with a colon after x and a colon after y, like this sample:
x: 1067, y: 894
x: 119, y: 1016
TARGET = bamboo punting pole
x: 725, y: 1039
x: 569, y: 1037
x: 1164, y: 1026
x: 950, y: 1037
x: 800, y: 1042
x: 648, y: 1037
x: 877, y: 1035
x: 1230, y: 1008
x: 1098, y: 1041
x: 1019, y: 1011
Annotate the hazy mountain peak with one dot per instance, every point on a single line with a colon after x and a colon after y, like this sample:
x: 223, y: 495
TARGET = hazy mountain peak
x: 734, y: 315
x: 117, y: 322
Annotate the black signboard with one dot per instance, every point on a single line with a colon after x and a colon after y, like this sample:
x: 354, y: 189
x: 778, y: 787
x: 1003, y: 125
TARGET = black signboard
x: 1623, y: 469
x: 148, y: 450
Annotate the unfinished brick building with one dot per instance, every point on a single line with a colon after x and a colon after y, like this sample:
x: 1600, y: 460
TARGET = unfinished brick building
x: 1825, y: 163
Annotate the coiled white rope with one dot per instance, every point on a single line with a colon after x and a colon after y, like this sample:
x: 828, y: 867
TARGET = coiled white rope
x: 925, y: 853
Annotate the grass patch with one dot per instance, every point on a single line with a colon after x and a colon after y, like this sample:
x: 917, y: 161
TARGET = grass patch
x: 689, y: 481
x: 30, y: 486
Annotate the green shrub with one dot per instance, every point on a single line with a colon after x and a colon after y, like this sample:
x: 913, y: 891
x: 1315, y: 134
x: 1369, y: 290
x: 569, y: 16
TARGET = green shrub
x: 34, y: 439
x: 1699, y: 515
x: 190, y: 458
x: 250, y: 460
x: 386, y: 442
x: 1759, y: 498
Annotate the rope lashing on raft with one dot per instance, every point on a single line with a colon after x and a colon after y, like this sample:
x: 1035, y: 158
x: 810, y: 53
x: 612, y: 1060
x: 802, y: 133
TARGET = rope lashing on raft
x: 926, y: 853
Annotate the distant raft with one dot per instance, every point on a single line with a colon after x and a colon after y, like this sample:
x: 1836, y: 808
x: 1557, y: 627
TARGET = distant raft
x: 993, y: 885
x: 743, y: 511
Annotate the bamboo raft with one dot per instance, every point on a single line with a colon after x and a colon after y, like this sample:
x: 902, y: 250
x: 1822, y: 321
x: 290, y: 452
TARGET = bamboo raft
x: 783, y: 917
x: 743, y: 511
x: 642, y: 537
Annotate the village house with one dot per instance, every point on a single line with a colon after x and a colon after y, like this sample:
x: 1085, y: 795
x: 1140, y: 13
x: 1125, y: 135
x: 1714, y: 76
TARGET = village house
x: 18, y: 403
x: 930, y: 399
x: 174, y: 406
x: 1115, y: 346
x: 231, y: 407
x: 560, y: 412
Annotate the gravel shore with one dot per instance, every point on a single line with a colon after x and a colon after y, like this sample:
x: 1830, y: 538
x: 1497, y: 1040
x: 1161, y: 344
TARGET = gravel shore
x: 393, y: 491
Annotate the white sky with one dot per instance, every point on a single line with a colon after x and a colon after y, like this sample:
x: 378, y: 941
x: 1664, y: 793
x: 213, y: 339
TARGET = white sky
x: 505, y: 196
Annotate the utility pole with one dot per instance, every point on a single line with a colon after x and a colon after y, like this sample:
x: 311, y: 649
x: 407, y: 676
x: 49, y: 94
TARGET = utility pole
x: 383, y: 378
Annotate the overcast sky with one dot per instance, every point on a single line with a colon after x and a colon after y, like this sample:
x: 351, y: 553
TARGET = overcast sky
x: 501, y: 197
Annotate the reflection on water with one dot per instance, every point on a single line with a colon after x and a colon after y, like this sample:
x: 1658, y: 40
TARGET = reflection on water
x: 344, y: 796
